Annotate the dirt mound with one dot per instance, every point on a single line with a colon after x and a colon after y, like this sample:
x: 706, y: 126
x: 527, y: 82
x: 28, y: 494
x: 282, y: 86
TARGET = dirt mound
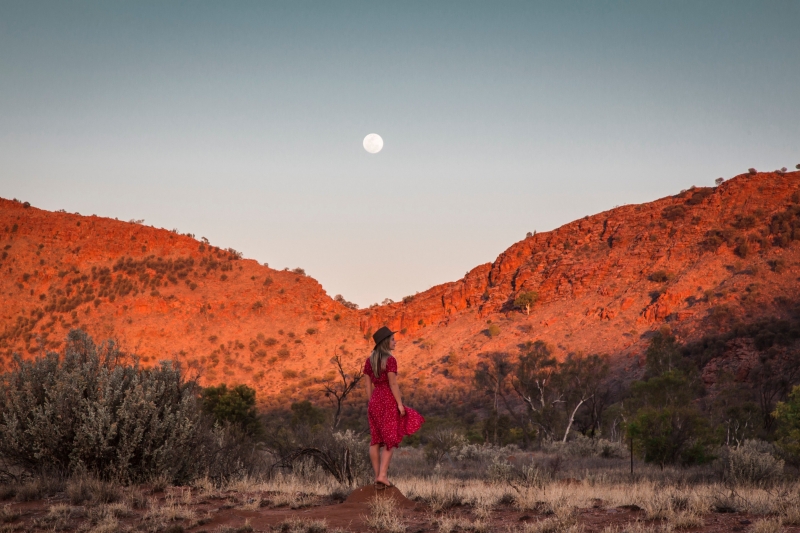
x: 364, y: 495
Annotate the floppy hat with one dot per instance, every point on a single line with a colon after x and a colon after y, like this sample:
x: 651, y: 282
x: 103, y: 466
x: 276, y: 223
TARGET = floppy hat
x: 382, y: 334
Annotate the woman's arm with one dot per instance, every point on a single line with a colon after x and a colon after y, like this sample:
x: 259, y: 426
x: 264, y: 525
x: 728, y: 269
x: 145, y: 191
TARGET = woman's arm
x: 369, y: 388
x: 396, y: 392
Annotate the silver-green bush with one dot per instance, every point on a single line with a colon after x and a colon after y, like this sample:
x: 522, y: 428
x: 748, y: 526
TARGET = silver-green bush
x: 92, y: 410
x: 751, y: 464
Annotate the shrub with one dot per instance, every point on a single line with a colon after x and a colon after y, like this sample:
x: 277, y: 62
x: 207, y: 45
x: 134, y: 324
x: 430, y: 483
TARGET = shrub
x: 88, y: 411
x: 350, y: 305
x: 715, y: 238
x: 525, y: 300
x: 719, y: 181
x: 659, y: 276
x: 444, y: 441
x: 752, y: 171
x: 785, y: 226
x: 312, y: 331
x: 699, y: 194
x: 720, y: 314
x: 493, y: 330
x: 673, y: 212
x: 744, y: 222
x: 742, y: 250
x: 787, y: 418
x: 299, y: 271
x: 777, y: 265
x: 236, y: 406
x: 751, y: 464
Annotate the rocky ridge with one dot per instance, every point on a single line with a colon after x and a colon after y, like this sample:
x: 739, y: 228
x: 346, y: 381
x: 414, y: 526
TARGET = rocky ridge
x: 696, y: 262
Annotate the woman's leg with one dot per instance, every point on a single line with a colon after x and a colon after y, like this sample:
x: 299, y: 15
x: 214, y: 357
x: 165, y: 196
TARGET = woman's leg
x: 374, y: 452
x: 386, y: 458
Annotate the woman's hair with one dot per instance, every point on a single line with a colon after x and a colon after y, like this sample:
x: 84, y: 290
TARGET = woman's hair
x: 379, y: 356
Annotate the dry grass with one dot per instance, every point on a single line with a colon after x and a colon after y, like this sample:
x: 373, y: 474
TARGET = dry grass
x: 134, y: 498
x: 86, y: 489
x: 299, y: 525
x: 452, y: 524
x: 383, y: 516
x: 769, y: 525
x: 58, y: 517
x: 37, y: 489
x: 634, y: 527
x: 554, y: 524
x: 685, y: 520
x: 677, y: 500
x: 107, y: 525
x: 205, y: 487
x: 8, y: 514
x: 293, y: 500
x: 250, y: 502
x: 175, y: 508
x: 791, y: 515
x: 659, y: 500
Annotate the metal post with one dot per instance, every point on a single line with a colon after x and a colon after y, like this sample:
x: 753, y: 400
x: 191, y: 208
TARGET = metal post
x: 631, y: 455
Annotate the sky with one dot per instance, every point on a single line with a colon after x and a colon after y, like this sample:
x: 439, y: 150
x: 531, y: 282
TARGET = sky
x: 243, y: 121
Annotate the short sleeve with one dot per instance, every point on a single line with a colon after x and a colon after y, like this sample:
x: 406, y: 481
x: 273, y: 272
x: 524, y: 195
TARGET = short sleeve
x: 368, y: 368
x: 391, y: 365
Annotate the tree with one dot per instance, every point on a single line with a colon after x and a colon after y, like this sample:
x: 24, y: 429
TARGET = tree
x: 580, y: 378
x: 305, y: 414
x: 733, y: 412
x: 525, y: 300
x: 787, y: 418
x: 774, y: 376
x: 533, y: 383
x: 337, y: 391
x: 492, y: 375
x: 666, y: 427
x: 664, y: 354
x: 236, y: 406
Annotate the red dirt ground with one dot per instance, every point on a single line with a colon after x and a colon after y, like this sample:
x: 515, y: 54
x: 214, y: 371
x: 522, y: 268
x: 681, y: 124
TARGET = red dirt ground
x: 349, y: 515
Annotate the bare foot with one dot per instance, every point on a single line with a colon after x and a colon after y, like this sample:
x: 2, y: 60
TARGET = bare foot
x: 383, y: 481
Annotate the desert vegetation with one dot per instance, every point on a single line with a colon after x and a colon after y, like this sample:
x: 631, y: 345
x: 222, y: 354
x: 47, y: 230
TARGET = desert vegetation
x: 94, y: 442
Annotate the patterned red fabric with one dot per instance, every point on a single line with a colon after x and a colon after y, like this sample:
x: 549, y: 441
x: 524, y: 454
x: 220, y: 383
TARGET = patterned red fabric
x: 386, y: 425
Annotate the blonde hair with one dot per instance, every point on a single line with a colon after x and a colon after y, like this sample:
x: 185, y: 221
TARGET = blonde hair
x: 379, y: 356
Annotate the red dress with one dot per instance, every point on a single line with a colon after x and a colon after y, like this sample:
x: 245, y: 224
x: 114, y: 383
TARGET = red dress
x: 386, y: 425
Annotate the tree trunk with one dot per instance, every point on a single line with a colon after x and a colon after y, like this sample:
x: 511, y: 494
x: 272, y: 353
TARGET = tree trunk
x: 572, y: 419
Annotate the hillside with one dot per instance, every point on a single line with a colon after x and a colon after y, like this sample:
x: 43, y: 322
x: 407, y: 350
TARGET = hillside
x: 697, y: 261
x: 164, y: 296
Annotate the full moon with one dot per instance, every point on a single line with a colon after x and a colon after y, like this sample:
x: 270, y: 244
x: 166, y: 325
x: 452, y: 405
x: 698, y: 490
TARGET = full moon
x: 373, y: 143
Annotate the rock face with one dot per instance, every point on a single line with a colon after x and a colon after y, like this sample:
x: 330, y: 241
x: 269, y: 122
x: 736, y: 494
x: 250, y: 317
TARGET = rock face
x: 695, y: 261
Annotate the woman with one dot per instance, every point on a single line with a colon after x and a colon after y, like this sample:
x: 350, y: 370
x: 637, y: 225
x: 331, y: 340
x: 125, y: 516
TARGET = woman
x: 389, y: 419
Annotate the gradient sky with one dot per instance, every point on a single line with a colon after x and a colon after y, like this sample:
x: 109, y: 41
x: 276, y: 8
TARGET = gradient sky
x: 243, y: 121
